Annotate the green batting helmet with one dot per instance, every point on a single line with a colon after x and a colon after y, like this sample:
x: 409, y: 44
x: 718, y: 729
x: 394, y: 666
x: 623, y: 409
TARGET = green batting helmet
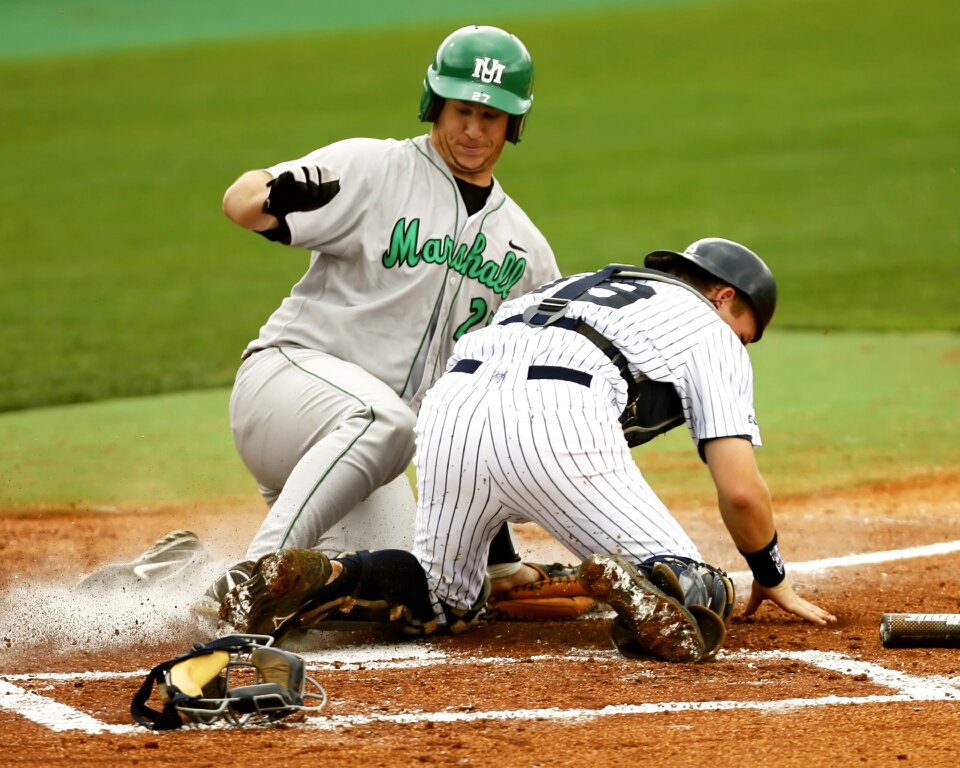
x: 485, y: 65
x: 732, y: 263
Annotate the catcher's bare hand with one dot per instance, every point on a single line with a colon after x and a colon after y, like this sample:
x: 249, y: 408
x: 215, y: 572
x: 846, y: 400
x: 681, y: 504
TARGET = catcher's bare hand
x: 784, y: 596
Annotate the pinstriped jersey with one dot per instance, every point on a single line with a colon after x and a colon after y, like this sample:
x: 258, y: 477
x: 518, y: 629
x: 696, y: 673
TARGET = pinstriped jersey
x: 666, y: 332
x: 398, y: 271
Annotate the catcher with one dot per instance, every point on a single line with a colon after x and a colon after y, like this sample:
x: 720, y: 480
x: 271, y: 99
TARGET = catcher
x: 534, y: 420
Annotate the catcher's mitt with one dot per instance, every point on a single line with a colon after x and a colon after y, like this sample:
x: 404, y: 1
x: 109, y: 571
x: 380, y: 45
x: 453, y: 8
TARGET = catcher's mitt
x: 557, y: 595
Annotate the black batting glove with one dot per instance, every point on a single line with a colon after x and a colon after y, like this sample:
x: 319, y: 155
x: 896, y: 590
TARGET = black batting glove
x: 302, y: 189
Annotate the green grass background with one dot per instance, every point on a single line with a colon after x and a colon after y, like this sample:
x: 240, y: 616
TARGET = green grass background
x: 836, y: 411
x: 823, y: 133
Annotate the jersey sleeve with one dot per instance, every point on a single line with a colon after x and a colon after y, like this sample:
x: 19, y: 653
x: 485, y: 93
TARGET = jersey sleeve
x: 359, y: 165
x: 718, y: 378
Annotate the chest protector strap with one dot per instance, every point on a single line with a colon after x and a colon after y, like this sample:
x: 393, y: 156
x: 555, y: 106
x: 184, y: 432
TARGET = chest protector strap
x: 653, y: 407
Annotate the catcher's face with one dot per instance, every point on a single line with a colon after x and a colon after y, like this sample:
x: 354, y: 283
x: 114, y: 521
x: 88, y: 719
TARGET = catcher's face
x: 735, y: 313
x: 470, y: 138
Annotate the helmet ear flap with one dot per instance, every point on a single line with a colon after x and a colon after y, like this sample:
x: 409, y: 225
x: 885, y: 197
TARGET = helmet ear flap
x: 515, y: 125
x: 430, y: 103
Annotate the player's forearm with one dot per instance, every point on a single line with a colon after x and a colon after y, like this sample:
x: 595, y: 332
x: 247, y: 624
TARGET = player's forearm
x: 750, y: 522
x: 742, y: 493
x: 243, y: 202
x: 745, y: 505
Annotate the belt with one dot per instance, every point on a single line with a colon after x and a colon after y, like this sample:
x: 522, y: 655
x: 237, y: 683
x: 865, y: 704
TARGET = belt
x: 534, y: 372
x: 599, y: 340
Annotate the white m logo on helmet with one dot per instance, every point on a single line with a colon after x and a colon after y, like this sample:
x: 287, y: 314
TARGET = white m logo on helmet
x: 488, y: 70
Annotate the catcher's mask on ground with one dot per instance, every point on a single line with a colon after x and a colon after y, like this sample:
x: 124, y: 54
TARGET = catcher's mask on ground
x: 734, y: 264
x: 236, y: 680
x: 485, y: 65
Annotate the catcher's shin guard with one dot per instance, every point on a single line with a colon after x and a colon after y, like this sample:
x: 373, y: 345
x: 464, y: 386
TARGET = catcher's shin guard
x: 657, y: 624
x: 692, y: 583
x: 384, y: 589
x: 706, y: 591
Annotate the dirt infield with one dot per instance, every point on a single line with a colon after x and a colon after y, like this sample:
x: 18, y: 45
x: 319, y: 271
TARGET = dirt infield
x: 781, y: 693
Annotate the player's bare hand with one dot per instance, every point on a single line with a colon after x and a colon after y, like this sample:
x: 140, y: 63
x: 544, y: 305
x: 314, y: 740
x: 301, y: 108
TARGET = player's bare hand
x: 300, y: 189
x: 784, y: 596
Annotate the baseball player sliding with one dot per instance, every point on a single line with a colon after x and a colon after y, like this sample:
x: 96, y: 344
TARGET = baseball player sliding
x: 534, y: 421
x: 413, y: 244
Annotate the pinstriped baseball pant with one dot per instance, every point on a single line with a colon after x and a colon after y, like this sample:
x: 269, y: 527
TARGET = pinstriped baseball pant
x: 495, y: 446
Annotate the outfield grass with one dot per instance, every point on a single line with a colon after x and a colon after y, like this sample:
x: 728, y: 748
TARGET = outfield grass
x: 820, y: 132
x: 840, y: 410
x: 35, y: 28
x: 823, y: 133
x: 835, y: 411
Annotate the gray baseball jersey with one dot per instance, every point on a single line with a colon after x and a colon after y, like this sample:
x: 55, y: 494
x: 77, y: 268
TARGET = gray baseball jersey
x: 526, y: 427
x: 398, y: 273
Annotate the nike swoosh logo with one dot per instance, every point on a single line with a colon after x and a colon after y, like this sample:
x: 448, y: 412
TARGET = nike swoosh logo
x: 143, y: 572
x: 515, y: 246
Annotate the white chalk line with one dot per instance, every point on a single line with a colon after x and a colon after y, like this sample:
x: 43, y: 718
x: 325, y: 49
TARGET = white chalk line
x: 380, y: 656
x: 61, y: 717
x: 865, y: 558
x: 52, y: 714
x: 907, y: 688
x: 574, y: 715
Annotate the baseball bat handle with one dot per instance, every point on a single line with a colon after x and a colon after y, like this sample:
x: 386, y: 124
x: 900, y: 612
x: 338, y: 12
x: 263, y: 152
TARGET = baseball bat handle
x: 913, y: 630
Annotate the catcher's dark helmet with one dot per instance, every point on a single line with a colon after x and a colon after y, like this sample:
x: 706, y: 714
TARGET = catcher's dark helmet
x: 485, y: 65
x: 733, y: 263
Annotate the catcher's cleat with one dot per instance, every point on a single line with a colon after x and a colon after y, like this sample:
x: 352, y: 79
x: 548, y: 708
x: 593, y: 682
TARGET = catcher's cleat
x: 279, y: 586
x: 166, y: 559
x: 659, y: 624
